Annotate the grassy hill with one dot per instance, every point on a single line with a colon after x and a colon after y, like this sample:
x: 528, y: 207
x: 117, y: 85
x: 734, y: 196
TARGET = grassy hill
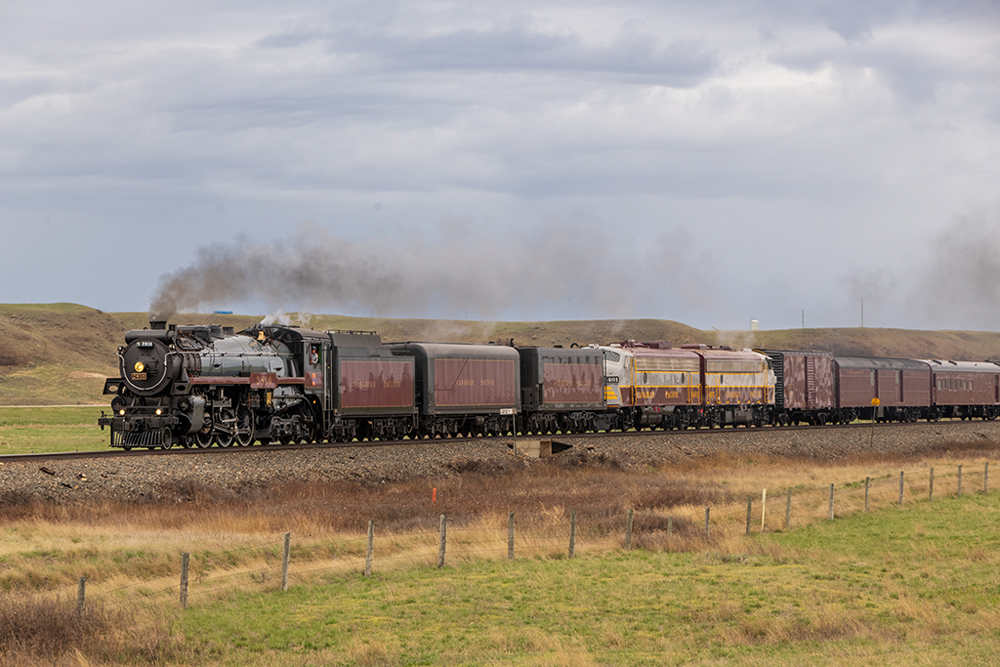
x: 52, y: 354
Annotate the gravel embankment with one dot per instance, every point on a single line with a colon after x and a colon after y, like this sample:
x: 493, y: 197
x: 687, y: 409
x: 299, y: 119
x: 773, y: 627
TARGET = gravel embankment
x: 176, y: 477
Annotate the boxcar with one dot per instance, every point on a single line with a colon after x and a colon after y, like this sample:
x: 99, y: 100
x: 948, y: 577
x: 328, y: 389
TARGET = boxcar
x: 964, y: 389
x: 902, y: 387
x: 804, y: 387
x: 562, y: 389
x: 464, y: 389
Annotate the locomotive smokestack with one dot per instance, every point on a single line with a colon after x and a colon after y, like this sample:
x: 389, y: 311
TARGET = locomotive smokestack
x: 157, y: 324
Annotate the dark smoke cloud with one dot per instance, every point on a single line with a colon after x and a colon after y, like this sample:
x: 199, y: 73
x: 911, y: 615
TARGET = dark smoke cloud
x: 959, y: 284
x: 456, y: 269
x: 953, y: 282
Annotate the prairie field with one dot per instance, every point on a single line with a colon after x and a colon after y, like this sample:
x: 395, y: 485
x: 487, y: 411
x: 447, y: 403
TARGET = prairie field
x: 896, y: 584
x: 27, y: 430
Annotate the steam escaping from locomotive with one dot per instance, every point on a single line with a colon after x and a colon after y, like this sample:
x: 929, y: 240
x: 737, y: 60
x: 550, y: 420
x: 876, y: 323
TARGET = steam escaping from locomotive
x: 563, y: 264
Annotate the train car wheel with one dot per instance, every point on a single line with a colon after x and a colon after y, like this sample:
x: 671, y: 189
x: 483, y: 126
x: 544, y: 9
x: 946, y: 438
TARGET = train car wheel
x: 166, y: 438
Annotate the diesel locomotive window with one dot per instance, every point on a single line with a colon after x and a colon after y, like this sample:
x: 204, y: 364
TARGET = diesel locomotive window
x: 612, y: 356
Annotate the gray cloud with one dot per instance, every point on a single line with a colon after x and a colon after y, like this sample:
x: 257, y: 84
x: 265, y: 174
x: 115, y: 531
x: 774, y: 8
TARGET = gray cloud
x: 773, y: 135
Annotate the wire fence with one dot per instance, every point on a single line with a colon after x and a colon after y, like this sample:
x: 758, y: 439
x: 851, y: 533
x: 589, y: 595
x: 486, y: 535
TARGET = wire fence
x: 274, y: 564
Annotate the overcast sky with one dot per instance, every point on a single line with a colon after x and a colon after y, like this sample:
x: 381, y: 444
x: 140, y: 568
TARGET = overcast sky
x: 706, y: 162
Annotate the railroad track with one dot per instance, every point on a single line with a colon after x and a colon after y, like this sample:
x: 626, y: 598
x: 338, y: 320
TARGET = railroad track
x: 704, y: 432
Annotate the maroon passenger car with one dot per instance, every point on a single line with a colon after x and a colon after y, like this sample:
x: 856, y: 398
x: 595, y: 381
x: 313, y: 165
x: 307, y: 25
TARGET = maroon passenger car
x: 964, y: 389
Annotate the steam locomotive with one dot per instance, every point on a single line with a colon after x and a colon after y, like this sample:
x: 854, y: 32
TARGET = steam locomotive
x: 207, y: 385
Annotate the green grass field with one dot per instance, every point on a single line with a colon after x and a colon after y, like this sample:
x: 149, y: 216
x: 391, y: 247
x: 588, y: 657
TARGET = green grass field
x: 895, y: 587
x: 48, y: 429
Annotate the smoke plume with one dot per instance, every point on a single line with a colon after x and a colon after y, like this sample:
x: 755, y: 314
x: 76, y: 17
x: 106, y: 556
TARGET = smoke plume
x: 457, y: 270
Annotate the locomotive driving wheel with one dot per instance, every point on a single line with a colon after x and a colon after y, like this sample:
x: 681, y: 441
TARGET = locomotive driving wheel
x: 225, y: 438
x: 244, y: 426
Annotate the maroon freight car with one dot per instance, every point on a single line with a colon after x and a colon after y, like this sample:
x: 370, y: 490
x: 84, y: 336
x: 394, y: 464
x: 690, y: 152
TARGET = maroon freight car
x: 804, y: 387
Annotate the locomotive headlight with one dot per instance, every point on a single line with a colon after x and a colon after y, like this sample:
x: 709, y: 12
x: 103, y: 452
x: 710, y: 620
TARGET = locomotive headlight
x: 139, y: 367
x: 159, y: 411
x: 122, y: 412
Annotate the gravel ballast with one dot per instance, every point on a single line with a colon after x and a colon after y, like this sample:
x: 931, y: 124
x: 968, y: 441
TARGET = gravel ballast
x: 139, y: 479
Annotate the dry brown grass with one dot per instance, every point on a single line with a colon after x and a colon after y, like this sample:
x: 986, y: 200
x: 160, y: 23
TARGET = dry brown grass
x: 39, y: 630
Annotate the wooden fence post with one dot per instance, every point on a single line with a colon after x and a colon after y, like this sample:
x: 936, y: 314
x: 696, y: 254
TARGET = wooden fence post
x: 670, y: 527
x: 960, y: 481
x: 788, y: 510
x: 868, y: 481
x: 831, y: 502
x: 707, y: 511
x: 572, y: 534
x: 81, y: 596
x: 749, y: 513
x: 930, y: 494
x: 444, y: 540
x: 284, y: 561
x: 371, y: 548
x: 185, y: 565
x: 628, y: 530
x: 900, y: 488
x: 510, y: 536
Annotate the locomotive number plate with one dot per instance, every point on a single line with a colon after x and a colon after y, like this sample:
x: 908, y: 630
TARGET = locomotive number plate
x: 611, y: 379
x: 138, y: 376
